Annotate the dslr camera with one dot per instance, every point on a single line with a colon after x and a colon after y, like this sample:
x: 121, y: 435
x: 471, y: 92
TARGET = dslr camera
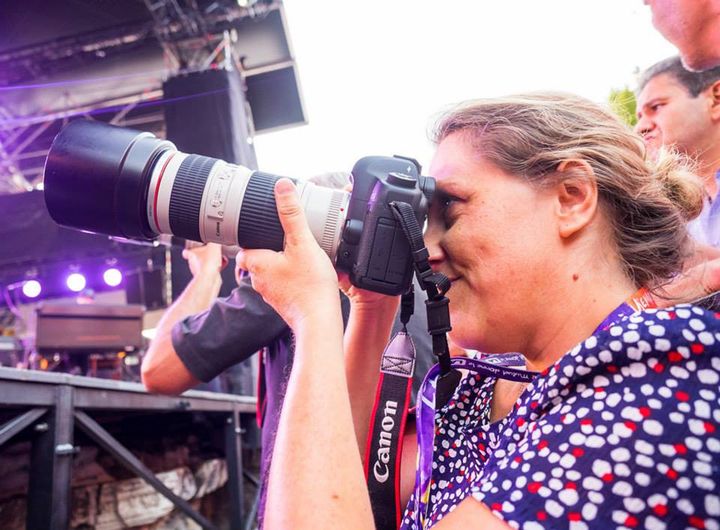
x: 131, y: 184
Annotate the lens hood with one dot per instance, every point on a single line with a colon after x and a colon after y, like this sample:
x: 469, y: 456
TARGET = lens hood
x: 97, y: 178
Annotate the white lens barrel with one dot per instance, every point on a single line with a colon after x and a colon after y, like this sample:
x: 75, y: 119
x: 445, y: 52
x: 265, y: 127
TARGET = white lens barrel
x: 325, y: 210
x: 220, y: 204
x: 222, y: 201
x: 223, y: 198
x: 161, y: 185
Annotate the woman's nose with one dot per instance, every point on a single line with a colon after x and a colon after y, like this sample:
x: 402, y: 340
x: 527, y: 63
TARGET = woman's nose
x: 433, y: 237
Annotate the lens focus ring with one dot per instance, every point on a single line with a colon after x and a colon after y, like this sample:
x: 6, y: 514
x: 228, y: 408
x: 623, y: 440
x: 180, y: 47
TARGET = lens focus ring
x: 259, y: 225
x: 186, y: 196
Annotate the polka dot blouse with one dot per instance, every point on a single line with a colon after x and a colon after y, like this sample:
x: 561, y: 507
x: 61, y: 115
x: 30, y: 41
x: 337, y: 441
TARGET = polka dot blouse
x: 622, y: 432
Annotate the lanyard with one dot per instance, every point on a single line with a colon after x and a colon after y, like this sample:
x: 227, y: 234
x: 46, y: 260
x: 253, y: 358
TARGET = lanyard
x: 499, y: 368
x: 638, y: 301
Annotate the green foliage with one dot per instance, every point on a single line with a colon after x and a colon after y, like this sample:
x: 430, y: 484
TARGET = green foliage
x: 622, y: 102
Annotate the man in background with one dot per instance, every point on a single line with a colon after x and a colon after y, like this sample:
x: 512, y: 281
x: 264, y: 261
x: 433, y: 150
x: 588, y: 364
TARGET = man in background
x: 680, y: 110
x: 693, y: 26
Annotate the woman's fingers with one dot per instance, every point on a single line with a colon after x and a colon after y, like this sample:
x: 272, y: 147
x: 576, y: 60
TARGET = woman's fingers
x: 314, y: 283
x: 290, y: 212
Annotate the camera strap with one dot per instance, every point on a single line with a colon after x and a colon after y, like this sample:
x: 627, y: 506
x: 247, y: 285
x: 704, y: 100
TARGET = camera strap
x: 387, y: 423
x: 387, y: 426
x: 435, y: 284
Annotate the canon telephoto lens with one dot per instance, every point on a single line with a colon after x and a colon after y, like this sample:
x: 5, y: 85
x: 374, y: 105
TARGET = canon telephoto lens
x: 121, y: 182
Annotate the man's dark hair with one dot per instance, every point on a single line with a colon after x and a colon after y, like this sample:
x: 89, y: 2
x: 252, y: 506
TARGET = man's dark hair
x: 694, y: 82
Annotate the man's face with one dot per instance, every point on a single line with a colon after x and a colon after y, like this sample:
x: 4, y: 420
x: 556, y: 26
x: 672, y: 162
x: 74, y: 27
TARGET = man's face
x: 669, y: 116
x: 691, y: 25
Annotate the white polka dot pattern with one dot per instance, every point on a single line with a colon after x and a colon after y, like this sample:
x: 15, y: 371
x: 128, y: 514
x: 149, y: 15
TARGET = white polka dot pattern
x: 622, y: 432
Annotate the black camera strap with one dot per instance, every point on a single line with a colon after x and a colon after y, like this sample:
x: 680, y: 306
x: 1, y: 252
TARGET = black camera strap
x: 387, y: 423
x: 435, y: 284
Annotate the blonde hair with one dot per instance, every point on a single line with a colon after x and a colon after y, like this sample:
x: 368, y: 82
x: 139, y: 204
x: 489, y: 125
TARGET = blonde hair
x: 647, y: 203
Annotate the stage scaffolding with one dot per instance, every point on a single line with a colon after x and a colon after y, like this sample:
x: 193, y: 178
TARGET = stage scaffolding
x: 52, y: 406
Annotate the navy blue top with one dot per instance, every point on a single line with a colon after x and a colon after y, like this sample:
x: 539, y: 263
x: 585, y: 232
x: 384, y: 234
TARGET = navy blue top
x: 623, y: 431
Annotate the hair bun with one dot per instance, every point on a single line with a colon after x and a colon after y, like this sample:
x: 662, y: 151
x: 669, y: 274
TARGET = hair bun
x: 676, y: 173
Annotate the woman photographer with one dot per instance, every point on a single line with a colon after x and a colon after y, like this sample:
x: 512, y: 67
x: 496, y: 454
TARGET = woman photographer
x: 550, y: 223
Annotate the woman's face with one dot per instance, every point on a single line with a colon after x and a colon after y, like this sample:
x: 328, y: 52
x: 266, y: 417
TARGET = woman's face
x: 493, y: 236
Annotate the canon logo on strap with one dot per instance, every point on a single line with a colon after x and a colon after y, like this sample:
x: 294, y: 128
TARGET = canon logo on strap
x: 380, y: 468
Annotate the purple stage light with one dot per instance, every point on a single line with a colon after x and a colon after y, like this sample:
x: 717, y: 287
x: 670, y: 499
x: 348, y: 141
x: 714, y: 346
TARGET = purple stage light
x: 32, y: 288
x: 76, y: 282
x: 113, y: 277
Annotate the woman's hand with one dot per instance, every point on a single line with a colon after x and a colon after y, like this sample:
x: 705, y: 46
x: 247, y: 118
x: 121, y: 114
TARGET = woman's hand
x: 299, y: 282
x: 361, y: 299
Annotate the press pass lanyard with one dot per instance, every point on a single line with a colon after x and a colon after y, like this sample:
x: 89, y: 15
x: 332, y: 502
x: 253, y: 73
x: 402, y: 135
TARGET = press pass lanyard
x: 497, y: 366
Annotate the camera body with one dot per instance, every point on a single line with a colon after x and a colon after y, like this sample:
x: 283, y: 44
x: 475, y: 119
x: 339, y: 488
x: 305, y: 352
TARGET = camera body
x: 125, y: 183
x: 373, y: 248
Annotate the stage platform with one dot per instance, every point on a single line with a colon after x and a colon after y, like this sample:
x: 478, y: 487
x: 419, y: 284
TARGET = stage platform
x: 46, y: 408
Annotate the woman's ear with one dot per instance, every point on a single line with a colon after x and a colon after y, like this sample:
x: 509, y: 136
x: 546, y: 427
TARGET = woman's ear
x: 577, y: 196
x: 713, y: 92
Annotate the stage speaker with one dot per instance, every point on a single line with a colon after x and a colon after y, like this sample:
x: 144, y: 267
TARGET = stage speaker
x: 77, y: 327
x: 146, y: 287
x: 206, y: 113
x: 274, y: 97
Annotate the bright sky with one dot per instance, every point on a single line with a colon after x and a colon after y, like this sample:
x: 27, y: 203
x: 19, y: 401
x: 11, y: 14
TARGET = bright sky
x: 374, y: 73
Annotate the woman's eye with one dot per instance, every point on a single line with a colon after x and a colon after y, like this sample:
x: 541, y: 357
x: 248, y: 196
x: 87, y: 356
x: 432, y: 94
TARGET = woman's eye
x: 449, y: 201
x: 448, y: 205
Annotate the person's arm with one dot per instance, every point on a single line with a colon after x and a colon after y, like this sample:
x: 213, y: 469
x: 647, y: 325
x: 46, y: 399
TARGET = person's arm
x: 162, y: 369
x: 315, y: 439
x: 367, y: 333
x: 368, y: 330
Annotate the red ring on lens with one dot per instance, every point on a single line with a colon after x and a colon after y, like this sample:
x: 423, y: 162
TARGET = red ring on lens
x: 157, y: 189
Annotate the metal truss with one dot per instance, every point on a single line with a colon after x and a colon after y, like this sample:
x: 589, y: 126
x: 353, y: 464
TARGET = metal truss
x: 25, y: 141
x: 195, y: 35
x: 181, y: 27
x: 38, y: 61
x: 12, y: 178
x: 192, y: 36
